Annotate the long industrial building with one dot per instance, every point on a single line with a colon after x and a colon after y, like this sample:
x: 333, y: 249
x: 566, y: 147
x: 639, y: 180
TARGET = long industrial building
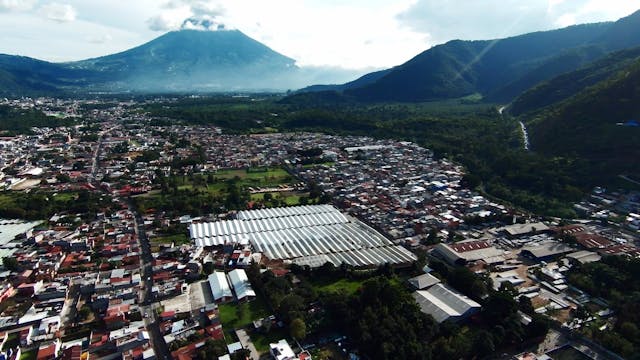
x: 308, y: 235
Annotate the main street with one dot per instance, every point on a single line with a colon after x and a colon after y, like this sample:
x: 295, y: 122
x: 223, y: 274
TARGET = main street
x: 146, y: 299
x: 146, y: 266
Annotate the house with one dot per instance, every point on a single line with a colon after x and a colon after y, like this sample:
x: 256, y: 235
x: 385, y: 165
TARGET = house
x: 48, y: 351
x: 444, y: 303
x: 592, y: 241
x: 72, y: 353
x: 231, y: 348
x: 281, y: 350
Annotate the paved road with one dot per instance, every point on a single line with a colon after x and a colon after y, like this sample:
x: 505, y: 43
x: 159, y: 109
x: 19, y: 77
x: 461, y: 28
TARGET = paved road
x: 146, y: 271
x: 246, y: 342
x: 146, y: 267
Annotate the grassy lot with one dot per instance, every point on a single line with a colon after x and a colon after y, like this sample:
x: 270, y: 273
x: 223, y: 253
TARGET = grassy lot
x: 206, y: 193
x: 215, y: 183
x: 290, y: 198
x: 12, y: 341
x: 344, y: 286
x: 29, y: 355
x: 65, y: 196
x: 234, y: 316
x: 310, y: 166
x: 328, y: 351
x: 178, y: 239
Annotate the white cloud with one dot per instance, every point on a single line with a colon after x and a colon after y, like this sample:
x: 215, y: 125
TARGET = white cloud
x: 344, y: 33
x: 99, y: 39
x: 63, y: 41
x: 188, y: 14
x: 58, y: 12
x: 489, y: 19
x: 16, y: 5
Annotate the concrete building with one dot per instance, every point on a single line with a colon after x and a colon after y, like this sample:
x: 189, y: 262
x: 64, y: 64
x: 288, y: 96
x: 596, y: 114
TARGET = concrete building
x: 444, y: 303
x: 468, y: 251
x: 545, y: 250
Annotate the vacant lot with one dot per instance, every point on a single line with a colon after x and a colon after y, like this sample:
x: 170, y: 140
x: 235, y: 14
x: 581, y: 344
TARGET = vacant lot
x: 235, y: 315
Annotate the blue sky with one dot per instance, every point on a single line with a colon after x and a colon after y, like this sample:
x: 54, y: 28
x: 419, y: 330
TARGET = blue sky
x: 354, y: 34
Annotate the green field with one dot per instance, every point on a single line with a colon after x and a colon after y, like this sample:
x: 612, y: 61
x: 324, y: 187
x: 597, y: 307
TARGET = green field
x: 29, y: 355
x: 290, y: 198
x: 235, y: 316
x: 217, y: 191
x: 343, y: 286
x: 178, y: 239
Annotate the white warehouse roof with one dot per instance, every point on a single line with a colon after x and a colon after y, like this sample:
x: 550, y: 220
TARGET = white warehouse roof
x: 219, y: 285
x: 241, y: 285
x: 308, y: 235
x: 444, y: 303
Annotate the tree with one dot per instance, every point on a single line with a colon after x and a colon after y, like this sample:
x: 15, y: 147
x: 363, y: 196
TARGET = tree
x: 214, y: 349
x: 291, y: 307
x: 10, y: 263
x: 63, y: 178
x: 483, y: 343
x: 241, y: 354
x: 84, y: 312
x: 525, y: 305
x: 298, y: 329
x: 432, y: 238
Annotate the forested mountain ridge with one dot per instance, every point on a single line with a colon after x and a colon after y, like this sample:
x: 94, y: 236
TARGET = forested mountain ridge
x: 569, y: 84
x: 500, y: 69
x: 598, y: 125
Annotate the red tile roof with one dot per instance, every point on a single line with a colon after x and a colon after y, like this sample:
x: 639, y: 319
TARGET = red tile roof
x: 592, y: 241
x: 469, y: 246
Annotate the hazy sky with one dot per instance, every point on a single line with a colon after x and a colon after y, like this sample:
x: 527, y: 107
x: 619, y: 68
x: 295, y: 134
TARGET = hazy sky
x: 354, y: 34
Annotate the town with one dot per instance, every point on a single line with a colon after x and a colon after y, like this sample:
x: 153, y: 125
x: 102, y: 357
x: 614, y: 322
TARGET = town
x: 127, y: 236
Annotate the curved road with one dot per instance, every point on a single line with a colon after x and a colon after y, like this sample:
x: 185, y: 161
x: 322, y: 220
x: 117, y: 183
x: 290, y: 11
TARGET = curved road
x: 523, y: 128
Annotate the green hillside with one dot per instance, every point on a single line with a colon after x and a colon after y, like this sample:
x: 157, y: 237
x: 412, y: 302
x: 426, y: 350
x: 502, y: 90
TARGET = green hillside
x: 596, y: 125
x: 569, y: 84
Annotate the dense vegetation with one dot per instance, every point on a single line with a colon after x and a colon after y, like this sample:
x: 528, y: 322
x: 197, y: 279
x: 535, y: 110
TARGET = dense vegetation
x: 382, y: 320
x: 596, y: 126
x: 200, y: 194
x: 616, y: 280
x: 38, y: 205
x: 569, y: 84
x: 19, y: 121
